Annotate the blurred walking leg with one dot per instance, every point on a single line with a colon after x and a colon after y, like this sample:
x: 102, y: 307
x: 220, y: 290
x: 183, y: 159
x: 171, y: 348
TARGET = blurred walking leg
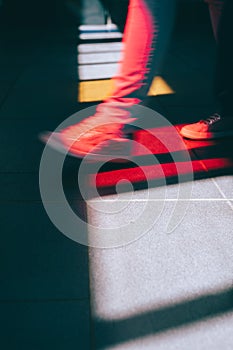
x: 220, y: 124
x: 148, y: 27
x: 224, y: 67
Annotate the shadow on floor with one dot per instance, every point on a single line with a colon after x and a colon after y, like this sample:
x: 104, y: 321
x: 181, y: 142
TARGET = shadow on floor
x: 44, y: 297
x: 163, y: 319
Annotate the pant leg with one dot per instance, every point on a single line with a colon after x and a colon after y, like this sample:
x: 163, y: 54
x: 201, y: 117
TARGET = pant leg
x: 224, y: 73
x: 215, y: 9
x: 148, y: 27
x: 221, y: 12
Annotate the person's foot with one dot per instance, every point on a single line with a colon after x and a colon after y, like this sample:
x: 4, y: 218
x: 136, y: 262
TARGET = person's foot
x: 93, y: 137
x: 211, y: 128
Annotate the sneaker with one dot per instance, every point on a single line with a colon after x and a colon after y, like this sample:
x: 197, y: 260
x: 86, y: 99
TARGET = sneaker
x: 93, y: 137
x: 211, y: 128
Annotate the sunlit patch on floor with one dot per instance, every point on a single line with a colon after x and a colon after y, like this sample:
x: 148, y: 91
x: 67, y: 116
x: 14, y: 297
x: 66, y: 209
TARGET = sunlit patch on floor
x: 97, y: 90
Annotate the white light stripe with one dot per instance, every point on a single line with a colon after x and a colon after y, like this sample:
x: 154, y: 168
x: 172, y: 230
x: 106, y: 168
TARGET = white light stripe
x: 97, y: 27
x: 100, y: 47
x: 89, y: 36
x: 101, y: 57
x: 97, y: 71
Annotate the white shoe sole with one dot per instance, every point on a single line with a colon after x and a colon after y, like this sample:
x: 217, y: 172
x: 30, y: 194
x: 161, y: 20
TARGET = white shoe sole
x: 205, y: 136
x: 53, y: 140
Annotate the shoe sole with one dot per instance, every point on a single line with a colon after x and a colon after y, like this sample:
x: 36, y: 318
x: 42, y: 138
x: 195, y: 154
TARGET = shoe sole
x: 205, y: 136
x: 53, y: 140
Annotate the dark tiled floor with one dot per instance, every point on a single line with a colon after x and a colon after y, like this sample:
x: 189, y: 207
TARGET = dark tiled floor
x: 45, y: 325
x: 44, y: 297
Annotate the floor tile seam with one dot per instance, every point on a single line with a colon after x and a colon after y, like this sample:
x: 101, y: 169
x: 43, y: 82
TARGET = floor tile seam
x: 228, y: 200
x: 127, y: 200
x: 18, y: 172
x: 214, y: 199
x: 40, y: 301
x: 38, y: 201
x: 215, y: 183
